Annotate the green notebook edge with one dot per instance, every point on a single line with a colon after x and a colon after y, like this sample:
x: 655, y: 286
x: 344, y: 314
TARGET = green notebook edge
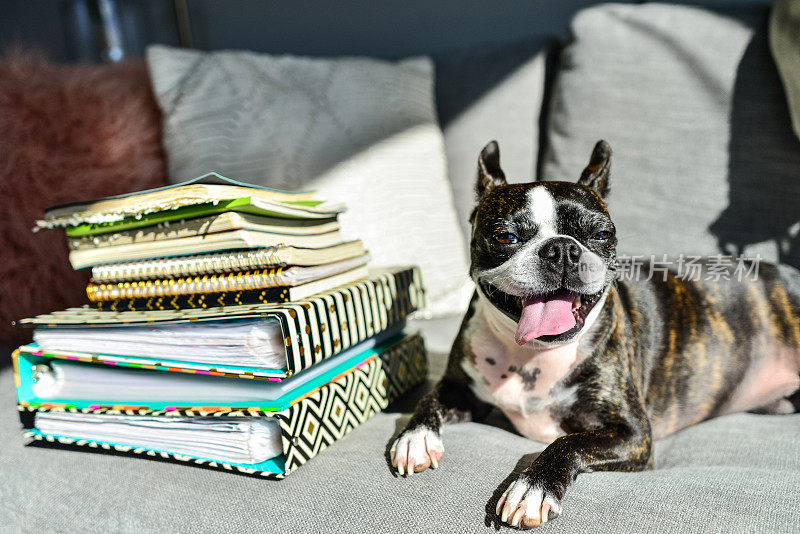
x: 242, y: 205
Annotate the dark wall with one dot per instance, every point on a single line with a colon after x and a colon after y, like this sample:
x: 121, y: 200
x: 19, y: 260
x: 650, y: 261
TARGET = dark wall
x: 70, y: 30
x: 389, y: 29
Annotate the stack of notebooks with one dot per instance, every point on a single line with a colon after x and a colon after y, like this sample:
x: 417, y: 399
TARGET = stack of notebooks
x: 230, y: 326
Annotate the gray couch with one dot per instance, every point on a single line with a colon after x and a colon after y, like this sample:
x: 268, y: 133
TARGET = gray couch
x: 690, y: 100
x: 739, y: 473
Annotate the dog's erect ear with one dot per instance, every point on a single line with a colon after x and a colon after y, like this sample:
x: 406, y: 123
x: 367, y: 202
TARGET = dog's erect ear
x: 596, y: 174
x: 489, y: 172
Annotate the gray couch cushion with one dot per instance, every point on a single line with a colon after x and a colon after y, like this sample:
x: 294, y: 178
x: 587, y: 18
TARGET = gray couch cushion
x: 691, y: 103
x: 737, y: 473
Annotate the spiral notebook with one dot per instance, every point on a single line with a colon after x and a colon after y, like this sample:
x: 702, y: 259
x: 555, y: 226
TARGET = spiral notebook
x: 233, y: 239
x: 224, y: 262
x: 200, y: 299
x: 240, y: 281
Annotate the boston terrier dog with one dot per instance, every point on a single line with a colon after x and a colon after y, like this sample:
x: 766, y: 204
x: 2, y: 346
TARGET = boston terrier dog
x: 595, y: 364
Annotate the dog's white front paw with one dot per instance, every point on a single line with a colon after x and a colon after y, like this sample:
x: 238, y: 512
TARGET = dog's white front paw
x: 527, y: 504
x: 415, y: 450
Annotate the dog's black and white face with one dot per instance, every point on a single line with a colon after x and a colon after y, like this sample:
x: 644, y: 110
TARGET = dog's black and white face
x: 543, y: 253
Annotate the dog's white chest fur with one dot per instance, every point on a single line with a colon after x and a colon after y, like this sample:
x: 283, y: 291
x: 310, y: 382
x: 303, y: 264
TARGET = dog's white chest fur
x: 524, y: 382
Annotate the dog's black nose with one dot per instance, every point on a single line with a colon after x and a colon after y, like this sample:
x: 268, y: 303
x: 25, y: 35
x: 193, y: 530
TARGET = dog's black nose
x: 561, y: 251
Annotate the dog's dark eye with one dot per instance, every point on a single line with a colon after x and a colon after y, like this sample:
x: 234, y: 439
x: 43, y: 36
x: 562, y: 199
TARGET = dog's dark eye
x: 506, y: 238
x: 603, y: 235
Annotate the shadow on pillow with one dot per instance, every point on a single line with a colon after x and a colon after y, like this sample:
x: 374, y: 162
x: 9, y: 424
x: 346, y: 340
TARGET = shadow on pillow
x: 68, y: 133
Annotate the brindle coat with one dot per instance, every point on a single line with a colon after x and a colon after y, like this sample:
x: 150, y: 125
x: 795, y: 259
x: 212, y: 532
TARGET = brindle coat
x: 662, y: 354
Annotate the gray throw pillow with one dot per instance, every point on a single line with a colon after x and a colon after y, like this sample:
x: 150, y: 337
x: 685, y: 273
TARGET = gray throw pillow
x: 360, y: 131
x: 784, y: 41
x: 690, y: 101
x: 490, y: 92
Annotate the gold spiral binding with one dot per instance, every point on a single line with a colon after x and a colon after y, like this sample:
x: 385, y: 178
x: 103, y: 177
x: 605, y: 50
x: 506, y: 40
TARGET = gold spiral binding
x: 188, y: 285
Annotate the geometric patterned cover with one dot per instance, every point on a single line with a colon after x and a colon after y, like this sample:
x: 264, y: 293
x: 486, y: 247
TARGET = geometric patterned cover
x: 314, y: 329
x: 308, y: 426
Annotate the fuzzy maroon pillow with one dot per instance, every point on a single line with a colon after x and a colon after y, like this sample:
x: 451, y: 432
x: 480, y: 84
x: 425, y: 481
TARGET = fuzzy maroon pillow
x: 67, y: 133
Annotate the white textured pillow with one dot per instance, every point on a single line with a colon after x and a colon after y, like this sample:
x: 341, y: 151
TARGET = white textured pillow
x: 361, y: 131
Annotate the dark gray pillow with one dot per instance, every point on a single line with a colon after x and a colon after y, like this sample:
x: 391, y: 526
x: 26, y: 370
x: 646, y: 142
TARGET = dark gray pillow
x: 690, y: 101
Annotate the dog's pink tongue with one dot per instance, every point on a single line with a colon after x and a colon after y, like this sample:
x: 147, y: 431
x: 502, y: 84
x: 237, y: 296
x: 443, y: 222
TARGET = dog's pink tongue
x: 544, y: 318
